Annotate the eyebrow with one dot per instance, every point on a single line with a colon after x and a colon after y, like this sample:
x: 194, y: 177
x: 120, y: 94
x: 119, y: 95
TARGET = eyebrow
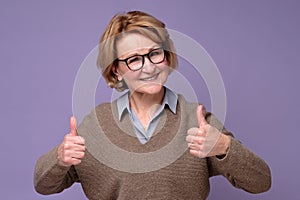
x: 137, y: 54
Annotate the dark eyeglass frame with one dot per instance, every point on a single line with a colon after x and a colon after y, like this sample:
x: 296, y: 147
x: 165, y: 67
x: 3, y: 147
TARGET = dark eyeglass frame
x: 143, y: 58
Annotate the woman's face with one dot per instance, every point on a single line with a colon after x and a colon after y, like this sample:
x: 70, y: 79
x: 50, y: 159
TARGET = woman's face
x: 151, y: 77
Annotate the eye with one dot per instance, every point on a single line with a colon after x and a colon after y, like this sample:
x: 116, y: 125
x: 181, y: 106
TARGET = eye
x: 134, y: 59
x: 156, y: 52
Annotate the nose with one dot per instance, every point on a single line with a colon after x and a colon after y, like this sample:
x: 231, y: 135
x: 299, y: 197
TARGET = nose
x: 148, y: 67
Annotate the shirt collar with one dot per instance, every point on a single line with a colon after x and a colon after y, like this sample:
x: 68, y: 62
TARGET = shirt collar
x: 170, y: 99
x: 123, y: 104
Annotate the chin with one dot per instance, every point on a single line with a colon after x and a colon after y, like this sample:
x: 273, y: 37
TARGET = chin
x: 152, y: 88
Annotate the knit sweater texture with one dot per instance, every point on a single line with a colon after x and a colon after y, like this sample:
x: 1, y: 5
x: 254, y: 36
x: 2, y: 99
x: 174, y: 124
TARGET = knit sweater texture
x: 117, y: 166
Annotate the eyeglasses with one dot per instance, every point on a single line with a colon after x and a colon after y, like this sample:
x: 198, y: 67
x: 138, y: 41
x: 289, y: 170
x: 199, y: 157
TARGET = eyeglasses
x: 136, y: 62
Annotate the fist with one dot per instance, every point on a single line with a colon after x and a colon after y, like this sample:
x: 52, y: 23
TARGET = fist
x: 205, y: 140
x: 72, y: 149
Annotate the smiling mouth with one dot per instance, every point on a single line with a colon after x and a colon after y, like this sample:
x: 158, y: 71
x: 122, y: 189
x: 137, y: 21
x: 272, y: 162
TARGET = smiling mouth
x: 154, y: 77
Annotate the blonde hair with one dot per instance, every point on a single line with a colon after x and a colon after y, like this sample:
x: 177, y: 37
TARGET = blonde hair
x: 131, y: 22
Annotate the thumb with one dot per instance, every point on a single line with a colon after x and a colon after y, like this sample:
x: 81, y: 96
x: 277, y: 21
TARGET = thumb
x: 73, y: 126
x: 200, y: 116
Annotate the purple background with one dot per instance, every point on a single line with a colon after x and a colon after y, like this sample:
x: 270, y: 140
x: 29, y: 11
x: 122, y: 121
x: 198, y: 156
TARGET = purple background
x: 255, y: 44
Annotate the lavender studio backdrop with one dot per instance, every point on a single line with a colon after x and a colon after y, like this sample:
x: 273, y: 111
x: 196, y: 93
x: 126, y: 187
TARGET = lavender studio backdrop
x: 255, y: 45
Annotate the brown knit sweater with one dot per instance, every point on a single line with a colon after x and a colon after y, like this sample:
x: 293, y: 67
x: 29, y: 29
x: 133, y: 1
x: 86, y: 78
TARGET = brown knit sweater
x: 118, y: 166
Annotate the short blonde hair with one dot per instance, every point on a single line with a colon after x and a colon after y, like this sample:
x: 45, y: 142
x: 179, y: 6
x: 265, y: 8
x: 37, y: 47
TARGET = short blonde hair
x: 131, y: 22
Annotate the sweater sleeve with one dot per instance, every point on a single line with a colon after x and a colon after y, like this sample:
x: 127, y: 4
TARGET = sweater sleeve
x: 241, y: 167
x: 49, y: 177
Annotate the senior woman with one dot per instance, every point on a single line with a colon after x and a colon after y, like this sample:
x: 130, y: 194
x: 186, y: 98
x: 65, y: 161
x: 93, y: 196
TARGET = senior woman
x: 137, y: 55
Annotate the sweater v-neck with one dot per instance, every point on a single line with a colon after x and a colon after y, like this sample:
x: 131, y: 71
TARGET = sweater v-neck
x: 121, y: 133
x: 115, y: 143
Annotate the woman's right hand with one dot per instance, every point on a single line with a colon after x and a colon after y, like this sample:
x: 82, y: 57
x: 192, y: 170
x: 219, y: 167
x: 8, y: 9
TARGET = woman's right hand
x: 72, y: 149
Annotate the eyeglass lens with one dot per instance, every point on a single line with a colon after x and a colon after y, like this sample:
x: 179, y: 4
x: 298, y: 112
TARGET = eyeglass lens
x: 155, y: 56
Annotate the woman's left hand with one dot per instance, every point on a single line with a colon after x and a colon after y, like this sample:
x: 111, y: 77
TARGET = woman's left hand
x: 205, y: 140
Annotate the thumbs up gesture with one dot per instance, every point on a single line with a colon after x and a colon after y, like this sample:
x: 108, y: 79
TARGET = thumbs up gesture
x: 205, y: 140
x: 72, y: 149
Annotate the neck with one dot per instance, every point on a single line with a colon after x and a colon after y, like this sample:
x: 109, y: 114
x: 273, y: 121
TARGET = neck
x: 145, y: 105
x: 143, y: 102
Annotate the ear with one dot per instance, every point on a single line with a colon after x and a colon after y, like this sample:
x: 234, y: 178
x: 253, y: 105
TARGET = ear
x: 116, y: 73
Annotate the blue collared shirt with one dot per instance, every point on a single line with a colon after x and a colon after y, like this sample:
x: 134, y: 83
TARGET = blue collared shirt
x: 143, y: 135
